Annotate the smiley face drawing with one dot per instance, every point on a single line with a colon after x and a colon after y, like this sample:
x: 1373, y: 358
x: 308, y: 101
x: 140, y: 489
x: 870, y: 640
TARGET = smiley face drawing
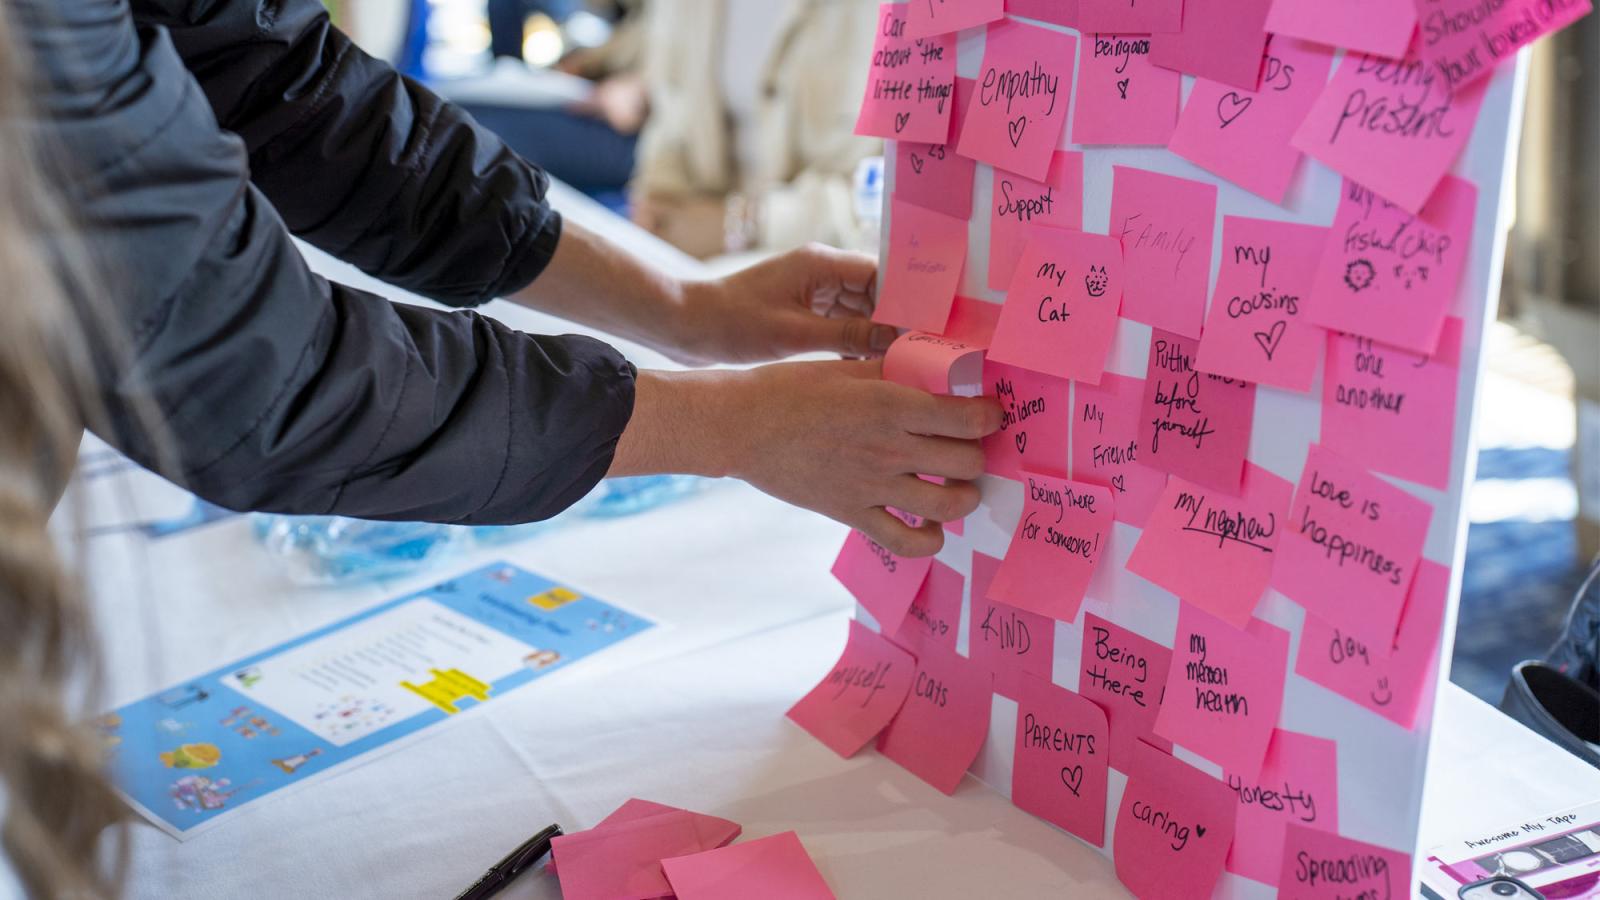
x: 1359, y: 274
x: 1095, y: 282
x: 1410, y: 274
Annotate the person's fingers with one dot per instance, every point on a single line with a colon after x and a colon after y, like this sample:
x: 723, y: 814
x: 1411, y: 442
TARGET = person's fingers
x: 946, y: 458
x: 897, y: 537
x: 854, y: 272
x: 967, y: 418
x: 946, y: 502
x: 848, y: 335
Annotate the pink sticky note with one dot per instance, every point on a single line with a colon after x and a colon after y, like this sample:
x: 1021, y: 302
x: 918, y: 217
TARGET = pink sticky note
x: 713, y: 831
x: 1058, y: 12
x: 1391, y: 687
x: 1018, y: 205
x: 1105, y: 445
x: 911, y: 83
x: 1125, y: 674
x: 1060, y: 769
x: 773, y: 868
x: 1035, y: 423
x: 1395, y: 127
x: 1380, y: 27
x: 972, y: 321
x: 1122, y: 97
x: 1165, y: 225
x: 879, y: 580
x: 1024, y: 88
x: 1225, y: 689
x: 859, y: 695
x: 1128, y: 16
x: 938, y: 365
x: 1191, y: 424
x: 935, y: 614
x: 935, y: 176
x: 1173, y: 829
x: 1320, y: 865
x: 938, y: 732
x: 1467, y: 39
x: 622, y: 861
x: 1298, y: 785
x: 1221, y: 40
x: 1007, y: 641
x: 1056, y: 546
x: 1351, y: 548
x: 1213, y: 549
x: 926, y: 18
x: 926, y: 253
x: 1256, y: 330
x: 1389, y: 275
x: 1060, y: 314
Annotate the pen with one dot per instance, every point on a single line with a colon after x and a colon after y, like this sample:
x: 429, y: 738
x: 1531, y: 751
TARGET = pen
x: 515, y: 863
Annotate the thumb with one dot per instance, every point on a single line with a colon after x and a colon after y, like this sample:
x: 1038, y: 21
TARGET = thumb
x: 846, y: 335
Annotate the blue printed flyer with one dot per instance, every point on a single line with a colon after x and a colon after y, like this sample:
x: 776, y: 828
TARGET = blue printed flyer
x: 188, y: 757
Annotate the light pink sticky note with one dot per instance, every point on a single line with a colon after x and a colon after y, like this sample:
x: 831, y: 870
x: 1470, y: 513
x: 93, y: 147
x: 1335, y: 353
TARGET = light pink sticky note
x: 1389, y: 275
x: 1060, y: 767
x: 1056, y: 547
x: 1395, y: 127
x: 859, y: 695
x: 1380, y: 27
x: 1018, y: 205
x: 935, y: 364
x: 1105, y: 445
x: 1122, y: 97
x: 1165, y: 225
x: 1221, y: 40
x: 925, y: 18
x: 1467, y: 39
x: 911, y: 83
x: 1319, y: 865
x: 972, y: 321
x: 1225, y: 689
x: 1191, y: 424
x: 1351, y: 548
x: 622, y: 861
x: 1213, y: 549
x: 1007, y: 641
x: 1129, y: 16
x: 1024, y: 88
x: 1298, y: 785
x: 1060, y: 314
x: 879, y: 580
x: 938, y: 732
x: 927, y: 251
x: 1035, y: 421
x: 773, y: 868
x: 1059, y: 12
x: 935, y: 614
x: 1256, y: 329
x: 1173, y: 829
x: 935, y: 176
x: 1125, y: 674
x: 1391, y: 687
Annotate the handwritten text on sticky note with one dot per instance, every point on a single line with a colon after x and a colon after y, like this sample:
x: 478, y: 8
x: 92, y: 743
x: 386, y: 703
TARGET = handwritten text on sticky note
x: 1009, y: 642
x: 1298, y: 785
x: 927, y: 251
x: 1060, y: 314
x: 1024, y: 87
x: 1466, y: 39
x: 879, y: 580
x: 1105, y: 445
x: 1123, y: 98
x: 1173, y: 829
x: 859, y: 695
x: 1018, y: 205
x: 1321, y: 865
x: 935, y: 176
x: 911, y: 83
x: 1225, y: 689
x: 1191, y: 424
x: 1061, y: 766
x: 1125, y: 674
x: 1035, y: 411
x: 1165, y: 225
x: 940, y: 728
x: 934, y: 618
x: 1055, y: 548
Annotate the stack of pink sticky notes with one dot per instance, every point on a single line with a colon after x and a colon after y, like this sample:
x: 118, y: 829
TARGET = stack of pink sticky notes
x: 620, y: 858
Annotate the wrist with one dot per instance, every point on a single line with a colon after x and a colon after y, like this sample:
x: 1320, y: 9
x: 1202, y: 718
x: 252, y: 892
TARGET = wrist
x: 685, y: 423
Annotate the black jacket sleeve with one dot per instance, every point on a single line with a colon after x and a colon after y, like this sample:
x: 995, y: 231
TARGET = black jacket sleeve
x: 281, y: 391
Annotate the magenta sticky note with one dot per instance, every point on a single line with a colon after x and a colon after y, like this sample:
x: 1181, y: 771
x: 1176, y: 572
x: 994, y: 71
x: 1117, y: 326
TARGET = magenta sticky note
x: 911, y: 83
x: 622, y: 860
x: 972, y: 321
x: 1007, y: 641
x: 881, y: 581
x: 1173, y: 829
x: 1392, y: 126
x: 1298, y: 785
x: 1124, y: 16
x: 1035, y: 423
x: 773, y: 868
x: 1466, y: 39
x: 1221, y: 40
x: 1379, y: 27
x: 713, y: 831
x: 1122, y: 97
x: 1124, y: 673
x: 935, y: 176
x: 1225, y: 689
x: 1389, y: 275
x: 1060, y: 314
x: 925, y: 18
x: 1018, y: 205
x: 1024, y: 89
x: 927, y: 251
x: 935, y: 364
x: 1321, y: 865
x: 1256, y: 329
x: 1192, y: 424
x: 938, y: 732
x: 1105, y: 445
x: 1061, y: 763
x: 1351, y: 548
x: 1390, y: 686
x: 1165, y: 225
x: 935, y: 615
x: 859, y: 695
x: 1057, y: 12
x: 1055, y: 548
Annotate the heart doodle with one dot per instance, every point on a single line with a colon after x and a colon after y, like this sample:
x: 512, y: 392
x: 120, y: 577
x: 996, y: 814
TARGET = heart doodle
x: 1022, y: 442
x: 1200, y: 831
x: 1122, y: 88
x: 1231, y: 106
x: 900, y: 120
x: 1269, y: 340
x: 916, y: 164
x: 1017, y: 126
x: 1119, y: 483
x: 1072, y: 777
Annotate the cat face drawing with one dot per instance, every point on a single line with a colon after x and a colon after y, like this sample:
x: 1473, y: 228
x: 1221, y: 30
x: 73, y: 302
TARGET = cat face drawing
x: 1096, y: 281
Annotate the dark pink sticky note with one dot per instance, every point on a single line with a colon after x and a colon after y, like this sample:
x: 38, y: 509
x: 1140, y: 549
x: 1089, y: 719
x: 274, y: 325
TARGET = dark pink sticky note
x: 925, y: 18
x: 938, y: 732
x: 1061, y: 766
x: 911, y: 83
x: 1034, y: 425
x: 1024, y: 88
x: 1214, y: 549
x: 1221, y: 40
x: 972, y: 321
x: 713, y: 831
x: 1393, y: 126
x: 1298, y: 785
x: 1225, y: 689
x: 1058, y: 12
x: 1122, y: 97
x: 1125, y: 16
x: 622, y: 861
x: 1056, y: 547
x: 1321, y: 865
x: 775, y: 867
x: 1391, y: 687
x: 1173, y: 829
x: 1379, y: 27
x: 881, y: 581
x: 1105, y: 445
x: 1466, y: 39
x: 935, y: 614
x: 1125, y: 674
x: 1256, y: 329
x: 1165, y: 225
x: 1389, y: 275
x: 1351, y: 548
x: 1060, y: 314
x: 938, y: 365
x: 927, y: 251
x: 1191, y: 424
x: 1007, y: 641
x: 935, y: 176
x: 859, y: 695
x: 1018, y: 205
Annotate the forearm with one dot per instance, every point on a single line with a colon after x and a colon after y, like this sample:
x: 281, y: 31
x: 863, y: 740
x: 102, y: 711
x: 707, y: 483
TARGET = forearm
x: 682, y: 423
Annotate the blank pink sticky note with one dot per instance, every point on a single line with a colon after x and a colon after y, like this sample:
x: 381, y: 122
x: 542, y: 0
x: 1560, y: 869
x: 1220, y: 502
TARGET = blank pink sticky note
x: 1391, y: 276
x: 935, y: 176
x: 1018, y: 205
x: 1124, y: 674
x: 1191, y: 424
x: 1394, y: 127
x: 1058, y: 12
x: 1256, y: 329
x: 1319, y: 865
x: 1105, y: 445
x: 1391, y: 687
x: 1298, y: 785
x: 1173, y: 829
x: 622, y: 861
x: 1213, y: 549
x: 972, y: 321
x: 1035, y: 421
x: 773, y: 868
x: 1060, y: 314
x: 925, y: 18
x: 1024, y: 88
x: 1129, y: 16
x: 1225, y: 689
x: 1056, y: 547
x: 1351, y: 548
x: 1221, y: 40
x: 881, y: 581
x: 935, y: 614
x: 859, y: 695
x: 713, y: 831
x: 938, y: 732
x: 1467, y: 39
x: 1165, y: 225
x: 911, y: 83
x: 1379, y: 27
x: 935, y: 364
x: 1122, y: 97
x: 1005, y: 640
x: 927, y: 251
x: 1061, y: 766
